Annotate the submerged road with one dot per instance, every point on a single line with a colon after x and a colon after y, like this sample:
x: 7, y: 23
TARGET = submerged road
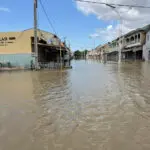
x: 94, y: 106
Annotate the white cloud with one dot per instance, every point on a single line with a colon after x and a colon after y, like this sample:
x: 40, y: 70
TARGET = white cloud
x: 110, y: 32
x: 131, y: 17
x: 94, y: 35
x: 4, y: 9
x: 109, y: 27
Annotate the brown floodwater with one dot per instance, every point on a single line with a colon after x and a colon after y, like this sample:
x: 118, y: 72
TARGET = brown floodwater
x: 94, y: 106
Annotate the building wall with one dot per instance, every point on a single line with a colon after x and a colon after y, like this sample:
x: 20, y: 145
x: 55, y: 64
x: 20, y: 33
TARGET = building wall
x: 146, y: 47
x: 16, y: 47
x: 17, y: 60
x: 143, y: 37
x: 20, y: 44
x: 22, y: 41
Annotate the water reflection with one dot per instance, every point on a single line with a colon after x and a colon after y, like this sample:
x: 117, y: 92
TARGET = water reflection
x: 93, y: 106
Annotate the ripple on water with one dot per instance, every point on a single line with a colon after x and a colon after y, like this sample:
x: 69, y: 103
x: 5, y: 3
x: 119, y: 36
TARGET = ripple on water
x: 94, y: 106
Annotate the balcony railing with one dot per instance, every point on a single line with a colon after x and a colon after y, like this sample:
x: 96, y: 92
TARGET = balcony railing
x: 138, y: 41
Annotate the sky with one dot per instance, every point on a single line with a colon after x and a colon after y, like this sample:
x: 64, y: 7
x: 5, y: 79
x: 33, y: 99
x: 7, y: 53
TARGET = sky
x: 82, y: 24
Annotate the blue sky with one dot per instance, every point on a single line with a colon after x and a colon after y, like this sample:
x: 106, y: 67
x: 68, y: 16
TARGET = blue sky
x: 67, y: 19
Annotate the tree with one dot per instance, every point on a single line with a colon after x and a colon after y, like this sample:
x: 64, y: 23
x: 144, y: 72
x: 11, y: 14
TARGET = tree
x: 80, y: 54
x: 77, y: 54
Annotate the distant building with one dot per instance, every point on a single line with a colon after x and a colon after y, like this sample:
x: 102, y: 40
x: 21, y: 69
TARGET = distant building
x: 17, y: 48
x: 134, y: 45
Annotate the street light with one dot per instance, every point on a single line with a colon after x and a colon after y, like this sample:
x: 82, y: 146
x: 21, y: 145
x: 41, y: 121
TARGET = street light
x: 120, y: 33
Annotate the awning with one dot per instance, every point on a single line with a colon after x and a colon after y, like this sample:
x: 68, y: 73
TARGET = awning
x: 56, y: 47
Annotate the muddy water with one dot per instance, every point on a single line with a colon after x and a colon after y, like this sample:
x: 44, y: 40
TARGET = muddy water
x: 94, y: 106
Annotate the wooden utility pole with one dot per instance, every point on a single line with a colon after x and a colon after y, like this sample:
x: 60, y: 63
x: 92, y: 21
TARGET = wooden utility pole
x: 35, y: 35
x: 60, y: 53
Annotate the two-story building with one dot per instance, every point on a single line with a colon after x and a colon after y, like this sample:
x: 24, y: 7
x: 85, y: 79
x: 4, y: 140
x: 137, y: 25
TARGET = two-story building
x: 133, y: 45
x: 136, y: 44
x: 112, y: 50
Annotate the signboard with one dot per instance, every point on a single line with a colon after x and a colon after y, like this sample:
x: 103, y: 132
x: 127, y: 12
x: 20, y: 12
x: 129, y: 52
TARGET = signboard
x: 4, y: 41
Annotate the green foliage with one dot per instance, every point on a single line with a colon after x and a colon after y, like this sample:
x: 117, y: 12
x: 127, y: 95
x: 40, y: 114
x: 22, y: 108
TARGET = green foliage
x: 80, y: 54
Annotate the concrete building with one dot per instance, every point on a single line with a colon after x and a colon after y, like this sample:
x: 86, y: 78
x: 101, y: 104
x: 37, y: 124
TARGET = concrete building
x: 134, y: 45
x: 93, y: 54
x: 112, y: 52
x: 17, y: 48
x: 146, y: 46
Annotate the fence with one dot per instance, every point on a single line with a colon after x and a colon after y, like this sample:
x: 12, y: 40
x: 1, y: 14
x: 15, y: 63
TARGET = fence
x: 53, y: 65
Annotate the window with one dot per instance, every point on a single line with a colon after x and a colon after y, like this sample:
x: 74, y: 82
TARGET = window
x: 139, y: 36
x: 132, y: 38
x: 136, y: 38
x: 127, y: 40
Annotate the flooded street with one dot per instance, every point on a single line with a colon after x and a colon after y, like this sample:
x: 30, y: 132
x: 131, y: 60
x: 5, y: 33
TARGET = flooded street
x: 94, y: 106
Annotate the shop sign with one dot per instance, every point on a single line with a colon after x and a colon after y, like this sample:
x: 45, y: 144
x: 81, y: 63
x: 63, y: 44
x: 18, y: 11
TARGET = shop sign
x: 4, y: 41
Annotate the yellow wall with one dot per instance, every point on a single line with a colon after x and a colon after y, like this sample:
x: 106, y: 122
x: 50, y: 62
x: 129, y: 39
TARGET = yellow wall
x: 22, y: 43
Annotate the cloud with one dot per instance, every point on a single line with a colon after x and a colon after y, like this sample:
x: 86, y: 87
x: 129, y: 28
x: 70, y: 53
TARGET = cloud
x: 110, y: 32
x: 109, y: 27
x: 131, y: 18
x: 4, y: 9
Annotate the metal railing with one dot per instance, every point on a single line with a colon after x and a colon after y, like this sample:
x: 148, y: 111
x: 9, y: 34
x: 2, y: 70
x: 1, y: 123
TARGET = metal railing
x: 53, y: 65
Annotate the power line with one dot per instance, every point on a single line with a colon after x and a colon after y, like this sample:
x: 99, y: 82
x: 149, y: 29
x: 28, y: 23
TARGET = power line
x: 47, y: 17
x: 121, y: 5
x: 53, y: 19
x: 49, y: 20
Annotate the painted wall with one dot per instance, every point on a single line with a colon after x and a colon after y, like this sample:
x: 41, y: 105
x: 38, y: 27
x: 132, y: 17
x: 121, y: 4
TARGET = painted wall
x: 22, y: 41
x: 17, y: 60
x: 16, y: 47
x: 15, y: 42
x: 146, y: 47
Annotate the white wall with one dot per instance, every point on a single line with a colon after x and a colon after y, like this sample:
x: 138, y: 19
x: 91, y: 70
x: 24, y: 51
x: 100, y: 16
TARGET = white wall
x: 146, y: 47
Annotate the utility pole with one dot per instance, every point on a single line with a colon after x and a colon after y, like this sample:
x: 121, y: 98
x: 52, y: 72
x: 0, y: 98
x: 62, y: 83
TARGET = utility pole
x: 60, y: 53
x: 35, y: 35
x: 120, y: 32
x: 69, y: 53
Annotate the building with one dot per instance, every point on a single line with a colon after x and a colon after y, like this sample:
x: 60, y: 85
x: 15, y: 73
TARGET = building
x: 17, y: 49
x: 93, y: 54
x: 134, y: 45
x: 111, y: 53
x: 146, y: 46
